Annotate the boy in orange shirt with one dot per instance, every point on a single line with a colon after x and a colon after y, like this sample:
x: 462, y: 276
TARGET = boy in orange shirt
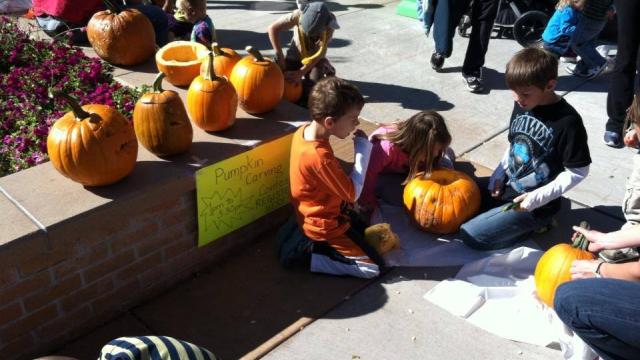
x: 322, y: 194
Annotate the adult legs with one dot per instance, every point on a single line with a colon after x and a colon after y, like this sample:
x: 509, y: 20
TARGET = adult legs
x: 605, y: 314
x: 583, y: 43
x: 158, y: 19
x: 623, y: 78
x: 483, y: 13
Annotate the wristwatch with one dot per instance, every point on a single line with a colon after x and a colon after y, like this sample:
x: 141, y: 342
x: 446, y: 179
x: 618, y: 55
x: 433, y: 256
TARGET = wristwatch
x: 597, y: 271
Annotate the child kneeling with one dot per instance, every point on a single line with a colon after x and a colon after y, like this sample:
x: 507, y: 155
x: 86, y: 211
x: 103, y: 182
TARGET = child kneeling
x: 547, y: 155
x: 322, y: 195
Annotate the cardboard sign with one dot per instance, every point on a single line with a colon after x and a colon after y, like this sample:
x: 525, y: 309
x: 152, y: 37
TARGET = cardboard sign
x: 236, y: 191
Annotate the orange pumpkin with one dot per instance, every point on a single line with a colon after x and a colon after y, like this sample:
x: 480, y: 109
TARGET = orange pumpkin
x: 224, y: 61
x: 121, y: 37
x: 292, y: 91
x: 93, y: 144
x: 258, y: 81
x: 553, y: 267
x: 442, y: 202
x: 212, y: 101
x: 180, y: 61
x: 161, y: 122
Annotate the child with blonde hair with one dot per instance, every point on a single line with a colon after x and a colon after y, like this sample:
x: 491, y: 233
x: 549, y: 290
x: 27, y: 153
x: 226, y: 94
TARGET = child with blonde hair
x: 400, y: 151
x: 557, y: 35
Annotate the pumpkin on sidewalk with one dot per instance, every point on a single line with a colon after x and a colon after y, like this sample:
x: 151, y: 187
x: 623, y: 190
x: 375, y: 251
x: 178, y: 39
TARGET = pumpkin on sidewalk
x: 258, y: 81
x: 121, y: 37
x: 292, y: 91
x: 93, y: 144
x: 442, y: 202
x: 553, y: 267
x: 161, y: 122
x: 224, y: 61
x: 212, y: 101
x: 180, y: 61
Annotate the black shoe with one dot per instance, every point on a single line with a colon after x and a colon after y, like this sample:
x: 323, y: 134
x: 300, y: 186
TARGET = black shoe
x: 474, y: 82
x: 437, y: 60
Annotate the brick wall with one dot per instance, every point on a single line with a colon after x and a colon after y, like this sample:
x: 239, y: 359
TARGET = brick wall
x: 58, y: 284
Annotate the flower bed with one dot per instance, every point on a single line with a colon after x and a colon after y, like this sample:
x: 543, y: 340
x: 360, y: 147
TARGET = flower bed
x: 29, y: 71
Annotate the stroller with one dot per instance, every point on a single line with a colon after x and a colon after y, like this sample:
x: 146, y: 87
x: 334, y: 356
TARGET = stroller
x: 522, y: 20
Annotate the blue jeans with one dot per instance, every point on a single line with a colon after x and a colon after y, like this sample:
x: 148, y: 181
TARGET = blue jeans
x: 605, y: 313
x: 583, y: 42
x: 444, y: 16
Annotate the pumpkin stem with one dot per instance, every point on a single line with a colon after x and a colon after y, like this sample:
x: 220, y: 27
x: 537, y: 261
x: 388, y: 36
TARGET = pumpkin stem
x: 78, y: 111
x: 157, y: 83
x: 111, y: 6
x: 581, y: 241
x: 256, y: 54
x: 210, y: 73
x: 216, y: 49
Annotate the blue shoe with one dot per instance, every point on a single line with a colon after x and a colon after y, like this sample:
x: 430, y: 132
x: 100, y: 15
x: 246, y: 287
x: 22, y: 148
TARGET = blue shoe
x: 612, y: 139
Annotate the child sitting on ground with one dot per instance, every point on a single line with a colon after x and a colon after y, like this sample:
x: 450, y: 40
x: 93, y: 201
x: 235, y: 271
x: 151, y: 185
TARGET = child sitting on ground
x: 547, y: 155
x: 400, y: 151
x: 191, y: 21
x: 322, y: 194
x: 313, y: 28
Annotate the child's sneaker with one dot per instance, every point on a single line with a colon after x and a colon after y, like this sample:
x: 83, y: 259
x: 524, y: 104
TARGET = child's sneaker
x: 588, y: 74
x: 437, y: 60
x: 474, y: 82
x: 619, y: 255
x: 612, y: 138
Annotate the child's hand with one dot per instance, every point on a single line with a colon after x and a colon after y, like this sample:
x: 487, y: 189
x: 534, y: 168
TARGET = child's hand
x: 631, y: 139
x: 584, y: 269
x: 597, y: 240
x: 520, y: 200
x: 359, y: 133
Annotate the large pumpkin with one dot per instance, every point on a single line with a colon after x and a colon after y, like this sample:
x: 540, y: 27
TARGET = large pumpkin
x: 121, y: 37
x: 93, y: 144
x: 553, y: 267
x: 180, y: 61
x: 292, y: 91
x: 224, y: 61
x: 442, y: 202
x: 161, y: 122
x: 212, y: 101
x: 258, y: 81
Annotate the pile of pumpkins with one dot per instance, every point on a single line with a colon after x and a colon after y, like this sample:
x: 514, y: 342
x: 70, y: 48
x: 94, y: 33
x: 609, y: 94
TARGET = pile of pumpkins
x: 95, y: 145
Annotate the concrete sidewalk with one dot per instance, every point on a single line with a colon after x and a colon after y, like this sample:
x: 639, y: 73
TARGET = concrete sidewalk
x: 387, y: 57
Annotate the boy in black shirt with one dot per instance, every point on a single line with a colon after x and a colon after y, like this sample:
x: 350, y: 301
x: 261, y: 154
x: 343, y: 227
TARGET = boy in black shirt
x: 548, y: 155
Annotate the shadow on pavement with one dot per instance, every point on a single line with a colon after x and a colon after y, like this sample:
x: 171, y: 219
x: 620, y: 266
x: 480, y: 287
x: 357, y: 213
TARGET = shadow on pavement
x: 409, y: 98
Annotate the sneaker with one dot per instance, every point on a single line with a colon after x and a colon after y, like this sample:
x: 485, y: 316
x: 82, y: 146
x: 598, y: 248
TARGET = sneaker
x: 619, y: 255
x: 569, y: 59
x: 612, y: 139
x: 437, y: 60
x: 473, y: 82
x: 588, y: 74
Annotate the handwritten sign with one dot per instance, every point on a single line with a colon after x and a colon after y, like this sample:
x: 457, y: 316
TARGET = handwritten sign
x: 236, y: 191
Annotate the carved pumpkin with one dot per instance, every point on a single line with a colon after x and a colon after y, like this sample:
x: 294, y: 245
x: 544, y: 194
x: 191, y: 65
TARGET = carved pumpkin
x: 93, y: 144
x: 292, y: 91
x: 444, y: 201
x: 121, y: 37
x: 223, y: 63
x: 212, y: 101
x: 258, y: 81
x: 553, y: 267
x: 161, y: 122
x: 180, y: 61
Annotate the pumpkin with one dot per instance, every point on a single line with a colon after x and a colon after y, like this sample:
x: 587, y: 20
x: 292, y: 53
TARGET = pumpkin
x: 258, y: 81
x: 180, y: 61
x: 381, y: 238
x: 93, y: 144
x: 212, y: 101
x: 442, y: 202
x: 553, y: 267
x: 224, y: 61
x: 292, y: 91
x: 161, y: 122
x: 121, y: 37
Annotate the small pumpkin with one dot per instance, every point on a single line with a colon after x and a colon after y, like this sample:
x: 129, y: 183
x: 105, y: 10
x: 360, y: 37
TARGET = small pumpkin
x: 258, y: 81
x: 442, y: 202
x: 292, y: 91
x: 212, y: 101
x: 93, y: 144
x: 553, y: 267
x: 121, y: 37
x: 161, y: 122
x: 180, y: 61
x: 224, y: 61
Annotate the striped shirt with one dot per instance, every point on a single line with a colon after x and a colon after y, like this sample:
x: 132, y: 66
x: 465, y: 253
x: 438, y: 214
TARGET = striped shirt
x: 153, y: 348
x: 596, y: 9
